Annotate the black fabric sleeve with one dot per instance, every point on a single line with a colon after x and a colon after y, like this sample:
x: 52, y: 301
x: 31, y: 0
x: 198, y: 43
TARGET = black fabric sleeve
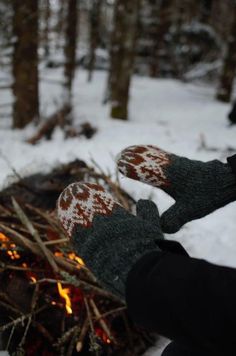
x: 187, y: 300
x: 232, y: 162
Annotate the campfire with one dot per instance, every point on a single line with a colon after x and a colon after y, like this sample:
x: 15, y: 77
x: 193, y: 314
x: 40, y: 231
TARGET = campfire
x: 50, y: 303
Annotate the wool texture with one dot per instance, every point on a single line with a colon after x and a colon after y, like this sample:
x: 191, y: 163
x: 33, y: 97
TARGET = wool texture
x: 108, y: 238
x: 198, y: 188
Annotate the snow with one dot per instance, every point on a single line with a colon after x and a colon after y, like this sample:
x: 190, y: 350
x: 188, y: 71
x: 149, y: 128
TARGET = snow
x: 175, y: 116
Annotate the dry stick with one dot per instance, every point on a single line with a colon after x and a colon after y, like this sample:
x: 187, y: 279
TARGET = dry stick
x: 33, y: 305
x: 21, y: 240
x: 5, y: 210
x: 50, y: 220
x: 101, y: 321
x: 21, y: 319
x: 93, y: 338
x: 10, y: 337
x: 56, y: 242
x: 8, y: 306
x: 24, y: 269
x: 85, y: 286
x: 21, y: 344
x: 110, y: 312
x: 82, y: 335
x: 72, y: 342
x: 43, y: 331
x: 66, y: 336
x: 7, y: 299
x: 16, y: 227
x: 25, y: 221
x: 90, y: 287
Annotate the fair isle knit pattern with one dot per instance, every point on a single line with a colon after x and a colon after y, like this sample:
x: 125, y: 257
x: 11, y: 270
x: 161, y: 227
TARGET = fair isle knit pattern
x: 79, y: 202
x: 145, y: 163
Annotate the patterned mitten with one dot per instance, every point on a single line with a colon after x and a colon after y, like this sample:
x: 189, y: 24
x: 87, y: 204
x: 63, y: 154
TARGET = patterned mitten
x: 107, y: 237
x: 198, y: 188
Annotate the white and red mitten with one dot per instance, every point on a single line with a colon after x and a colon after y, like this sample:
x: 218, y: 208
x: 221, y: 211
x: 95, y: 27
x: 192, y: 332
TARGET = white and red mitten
x: 107, y: 237
x: 198, y: 187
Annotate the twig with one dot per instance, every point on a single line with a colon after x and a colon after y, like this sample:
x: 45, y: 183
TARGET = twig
x: 94, y: 345
x: 10, y: 337
x: 82, y: 335
x: 25, y: 221
x: 101, y: 320
x: 66, y: 336
x: 21, y: 344
x: 21, y: 240
x: 43, y: 331
x: 90, y: 288
x: 50, y: 220
x: 21, y: 319
x: 56, y: 242
x: 9, y: 307
x: 73, y: 342
x: 110, y: 312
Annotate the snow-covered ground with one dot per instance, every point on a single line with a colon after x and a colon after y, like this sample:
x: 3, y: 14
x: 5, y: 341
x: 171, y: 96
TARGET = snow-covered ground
x: 175, y: 116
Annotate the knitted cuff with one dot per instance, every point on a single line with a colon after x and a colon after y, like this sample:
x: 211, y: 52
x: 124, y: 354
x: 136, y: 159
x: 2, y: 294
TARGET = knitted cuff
x: 227, y: 184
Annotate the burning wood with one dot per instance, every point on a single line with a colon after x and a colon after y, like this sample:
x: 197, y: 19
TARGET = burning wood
x: 50, y: 303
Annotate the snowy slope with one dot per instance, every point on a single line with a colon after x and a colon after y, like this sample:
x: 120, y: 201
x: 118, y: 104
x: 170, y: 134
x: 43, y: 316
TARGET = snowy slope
x: 177, y: 117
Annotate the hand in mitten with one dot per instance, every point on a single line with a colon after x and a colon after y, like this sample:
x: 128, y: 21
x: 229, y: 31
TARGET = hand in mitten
x: 198, y: 188
x: 108, y: 238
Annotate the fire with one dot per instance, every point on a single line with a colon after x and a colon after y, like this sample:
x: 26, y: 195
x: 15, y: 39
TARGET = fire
x: 72, y: 256
x: 58, y: 254
x: 64, y: 293
x: 33, y: 279
x: 6, y: 244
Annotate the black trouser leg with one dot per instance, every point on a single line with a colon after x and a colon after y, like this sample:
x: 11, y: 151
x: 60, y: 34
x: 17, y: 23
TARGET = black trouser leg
x: 175, y: 349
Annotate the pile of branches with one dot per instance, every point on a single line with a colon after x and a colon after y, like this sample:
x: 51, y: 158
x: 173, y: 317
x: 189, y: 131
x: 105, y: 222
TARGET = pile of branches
x: 50, y: 303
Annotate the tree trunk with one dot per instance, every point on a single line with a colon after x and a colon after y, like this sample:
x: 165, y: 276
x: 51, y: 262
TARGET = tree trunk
x: 70, y: 46
x: 122, y: 55
x: 95, y: 18
x: 60, y: 25
x: 46, y: 29
x: 161, y: 23
x: 25, y: 62
x: 229, y: 67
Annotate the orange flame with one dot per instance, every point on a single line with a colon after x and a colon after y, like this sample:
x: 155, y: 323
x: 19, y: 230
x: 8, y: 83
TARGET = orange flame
x: 10, y: 246
x: 72, y: 256
x: 4, y: 240
x: 64, y: 293
x: 33, y: 279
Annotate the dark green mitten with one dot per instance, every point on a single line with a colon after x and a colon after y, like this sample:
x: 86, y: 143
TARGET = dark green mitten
x: 198, y: 188
x: 107, y: 237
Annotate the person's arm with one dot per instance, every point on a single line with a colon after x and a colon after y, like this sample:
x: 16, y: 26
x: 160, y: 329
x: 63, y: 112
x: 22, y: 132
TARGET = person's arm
x: 185, y: 299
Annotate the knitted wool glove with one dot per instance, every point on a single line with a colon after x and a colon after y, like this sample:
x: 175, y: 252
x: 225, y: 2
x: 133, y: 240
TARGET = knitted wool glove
x: 107, y: 237
x: 198, y: 188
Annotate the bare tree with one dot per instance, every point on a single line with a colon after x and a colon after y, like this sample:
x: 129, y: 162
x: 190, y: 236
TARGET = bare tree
x: 161, y: 22
x: 229, y: 66
x: 122, y: 54
x: 95, y: 18
x: 25, y: 62
x: 46, y: 12
x: 70, y: 45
